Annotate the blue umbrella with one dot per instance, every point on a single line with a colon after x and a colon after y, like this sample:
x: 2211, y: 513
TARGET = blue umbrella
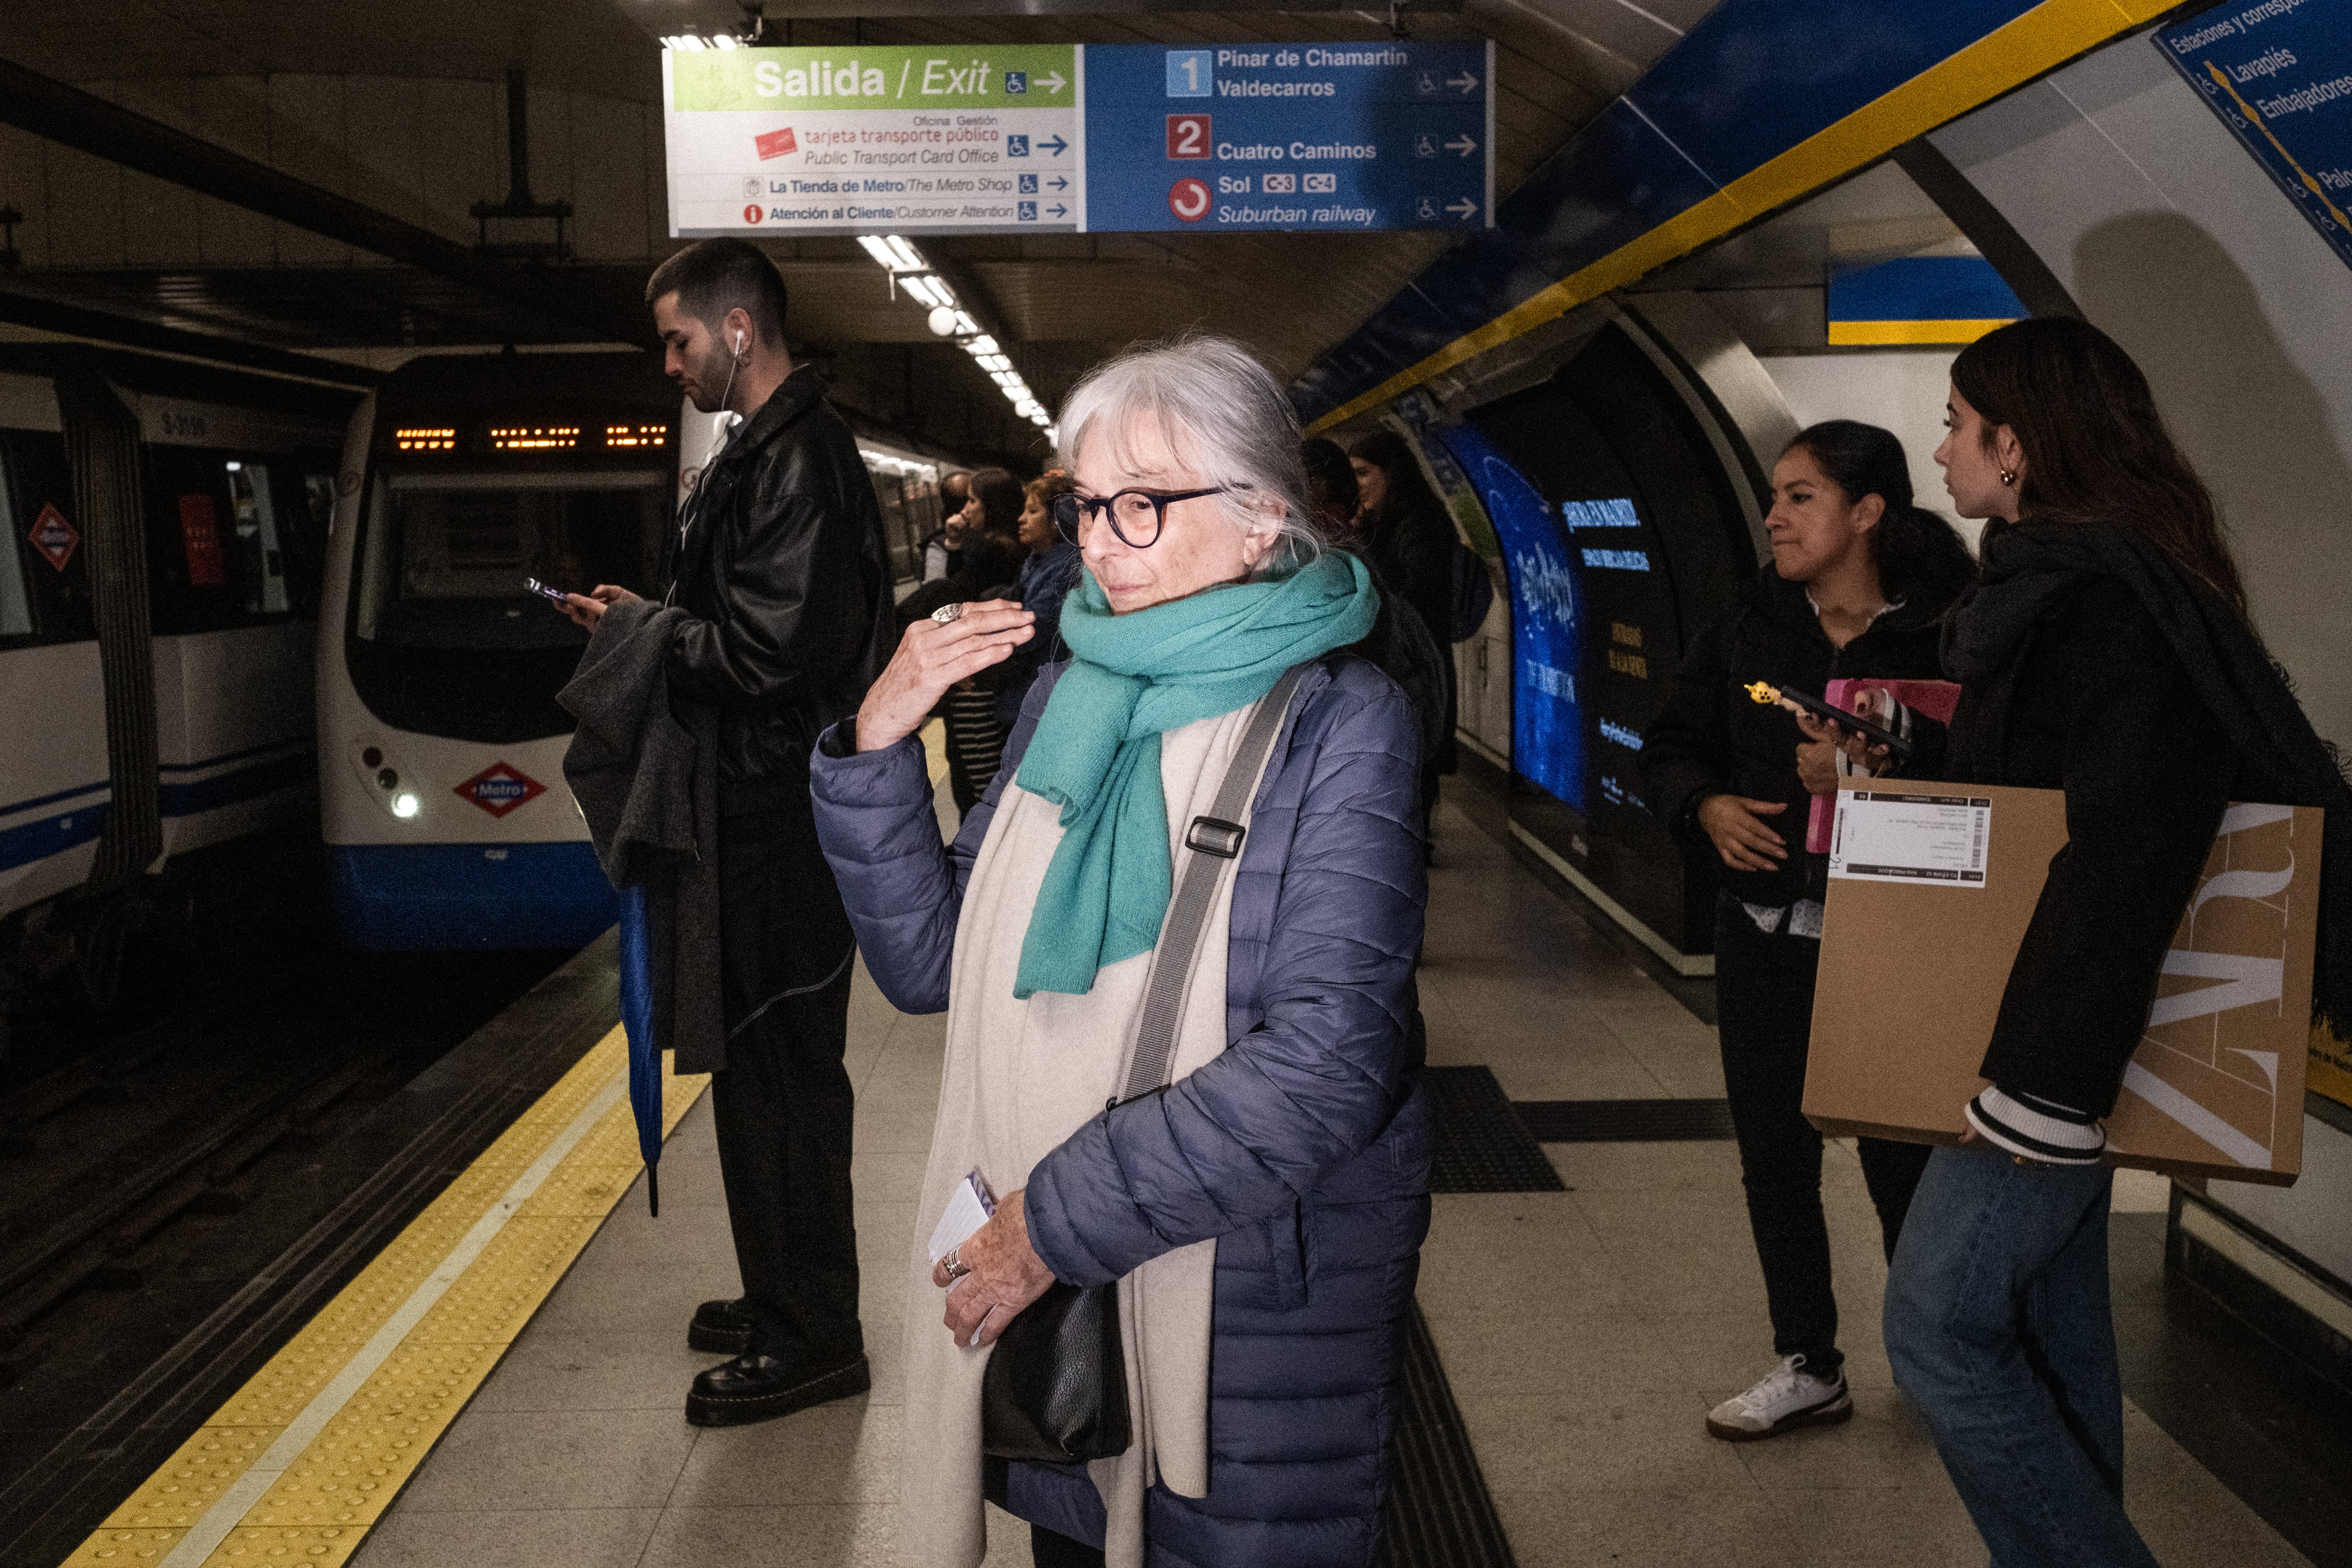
x: 645, y: 1052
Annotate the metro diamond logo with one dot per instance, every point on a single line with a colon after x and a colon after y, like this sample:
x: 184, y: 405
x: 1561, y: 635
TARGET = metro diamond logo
x: 500, y: 789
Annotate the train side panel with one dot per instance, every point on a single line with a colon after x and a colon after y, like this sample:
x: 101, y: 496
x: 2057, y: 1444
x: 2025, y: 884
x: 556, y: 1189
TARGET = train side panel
x: 53, y: 778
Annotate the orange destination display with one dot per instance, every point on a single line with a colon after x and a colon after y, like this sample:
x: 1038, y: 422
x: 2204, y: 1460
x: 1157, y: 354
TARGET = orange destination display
x: 1930, y: 891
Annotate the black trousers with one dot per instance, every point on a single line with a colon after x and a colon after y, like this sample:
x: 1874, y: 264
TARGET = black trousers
x: 1764, y: 1012
x: 783, y: 1104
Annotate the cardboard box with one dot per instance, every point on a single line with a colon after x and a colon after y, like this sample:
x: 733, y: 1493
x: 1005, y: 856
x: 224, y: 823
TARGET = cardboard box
x: 1929, y: 895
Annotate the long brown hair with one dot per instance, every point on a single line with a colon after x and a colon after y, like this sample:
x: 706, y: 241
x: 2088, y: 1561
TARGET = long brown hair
x: 2097, y: 452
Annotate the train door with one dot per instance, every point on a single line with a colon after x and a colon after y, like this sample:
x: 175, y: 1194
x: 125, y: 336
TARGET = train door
x: 238, y: 505
x: 53, y: 773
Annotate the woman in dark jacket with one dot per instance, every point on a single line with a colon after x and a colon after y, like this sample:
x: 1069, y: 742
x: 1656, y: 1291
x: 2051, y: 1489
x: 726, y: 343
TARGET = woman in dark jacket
x: 2107, y: 654
x: 1859, y: 581
x: 988, y: 563
x: 1409, y: 541
x: 1265, y: 1211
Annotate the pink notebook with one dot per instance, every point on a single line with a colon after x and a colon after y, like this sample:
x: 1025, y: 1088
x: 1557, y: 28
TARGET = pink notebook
x: 1936, y: 699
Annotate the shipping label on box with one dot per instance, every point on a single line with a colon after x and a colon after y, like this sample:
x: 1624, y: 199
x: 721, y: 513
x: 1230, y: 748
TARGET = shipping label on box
x: 1929, y: 898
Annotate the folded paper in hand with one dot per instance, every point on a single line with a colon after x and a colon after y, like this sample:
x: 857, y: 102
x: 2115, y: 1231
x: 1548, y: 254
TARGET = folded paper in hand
x: 967, y: 1211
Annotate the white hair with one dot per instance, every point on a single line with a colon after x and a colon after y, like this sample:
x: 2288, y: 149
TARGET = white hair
x: 1209, y: 398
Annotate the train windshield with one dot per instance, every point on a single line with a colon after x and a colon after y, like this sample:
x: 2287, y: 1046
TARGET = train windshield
x: 444, y: 555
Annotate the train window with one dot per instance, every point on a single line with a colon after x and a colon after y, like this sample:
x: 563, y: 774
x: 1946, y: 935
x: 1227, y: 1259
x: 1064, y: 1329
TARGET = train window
x: 44, y: 562
x: 263, y: 576
x: 444, y: 556
x: 16, y: 610
x: 223, y: 538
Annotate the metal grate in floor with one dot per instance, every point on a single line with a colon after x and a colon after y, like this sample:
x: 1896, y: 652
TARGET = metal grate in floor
x: 1623, y: 1121
x: 1438, y: 1513
x: 1481, y: 1145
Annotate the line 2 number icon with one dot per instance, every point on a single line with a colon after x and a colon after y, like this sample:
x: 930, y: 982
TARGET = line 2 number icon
x: 1188, y: 136
x: 1189, y: 200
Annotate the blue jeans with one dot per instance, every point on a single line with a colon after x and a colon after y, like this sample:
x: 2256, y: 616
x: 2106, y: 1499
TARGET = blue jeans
x: 1999, y: 1327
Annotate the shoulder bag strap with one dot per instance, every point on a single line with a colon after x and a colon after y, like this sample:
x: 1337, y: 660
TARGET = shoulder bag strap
x: 1214, y: 840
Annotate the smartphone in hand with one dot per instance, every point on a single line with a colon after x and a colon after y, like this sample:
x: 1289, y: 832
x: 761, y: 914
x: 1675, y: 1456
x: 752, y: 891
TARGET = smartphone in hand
x: 557, y: 594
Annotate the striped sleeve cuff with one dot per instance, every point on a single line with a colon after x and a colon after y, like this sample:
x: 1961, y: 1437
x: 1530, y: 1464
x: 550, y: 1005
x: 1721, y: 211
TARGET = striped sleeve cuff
x: 2037, y: 1129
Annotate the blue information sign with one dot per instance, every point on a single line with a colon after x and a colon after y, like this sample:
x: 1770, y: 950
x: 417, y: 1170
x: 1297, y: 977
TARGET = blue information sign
x: 1344, y: 137
x: 2279, y: 73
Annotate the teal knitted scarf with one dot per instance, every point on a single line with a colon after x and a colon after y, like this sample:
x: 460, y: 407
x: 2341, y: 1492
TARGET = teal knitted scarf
x: 1096, y: 753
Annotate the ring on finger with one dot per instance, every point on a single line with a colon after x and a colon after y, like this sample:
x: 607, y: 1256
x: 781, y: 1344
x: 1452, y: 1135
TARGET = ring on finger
x: 947, y: 613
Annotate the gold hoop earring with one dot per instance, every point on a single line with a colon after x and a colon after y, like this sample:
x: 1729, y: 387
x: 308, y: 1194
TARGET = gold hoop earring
x: 2008, y: 476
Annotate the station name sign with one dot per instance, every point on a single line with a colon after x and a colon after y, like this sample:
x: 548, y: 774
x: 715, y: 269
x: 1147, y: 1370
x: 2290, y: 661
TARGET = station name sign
x: 1072, y: 139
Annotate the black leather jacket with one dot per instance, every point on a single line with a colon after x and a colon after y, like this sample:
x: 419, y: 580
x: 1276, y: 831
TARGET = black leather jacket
x: 781, y: 566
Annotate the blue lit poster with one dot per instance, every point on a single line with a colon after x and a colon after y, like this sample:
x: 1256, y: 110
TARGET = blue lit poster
x: 1546, y: 620
x: 2279, y: 73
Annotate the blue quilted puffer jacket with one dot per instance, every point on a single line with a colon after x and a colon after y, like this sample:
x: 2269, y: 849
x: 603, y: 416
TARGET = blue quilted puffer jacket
x: 1304, y: 1149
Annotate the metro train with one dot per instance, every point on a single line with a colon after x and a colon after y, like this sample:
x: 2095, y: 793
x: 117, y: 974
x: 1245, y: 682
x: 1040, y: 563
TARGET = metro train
x: 165, y: 526
x: 447, y: 822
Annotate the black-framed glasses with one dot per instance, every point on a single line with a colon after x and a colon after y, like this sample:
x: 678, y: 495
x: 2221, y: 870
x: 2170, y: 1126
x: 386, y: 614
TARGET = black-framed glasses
x: 1136, y: 516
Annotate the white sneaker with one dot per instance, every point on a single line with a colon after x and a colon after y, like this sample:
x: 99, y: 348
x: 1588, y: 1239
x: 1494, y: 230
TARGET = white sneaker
x: 1788, y: 1397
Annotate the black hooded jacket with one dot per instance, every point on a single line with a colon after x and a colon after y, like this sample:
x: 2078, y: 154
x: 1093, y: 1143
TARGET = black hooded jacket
x: 2090, y: 663
x: 780, y: 564
x: 1712, y: 738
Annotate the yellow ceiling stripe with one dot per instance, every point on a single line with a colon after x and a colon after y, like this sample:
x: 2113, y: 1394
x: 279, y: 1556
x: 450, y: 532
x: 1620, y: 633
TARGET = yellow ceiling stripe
x: 2011, y: 56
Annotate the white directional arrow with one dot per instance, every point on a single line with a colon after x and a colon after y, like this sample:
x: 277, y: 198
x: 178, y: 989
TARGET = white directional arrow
x: 1052, y: 82
x: 1462, y: 145
x: 1465, y: 81
x: 1465, y: 208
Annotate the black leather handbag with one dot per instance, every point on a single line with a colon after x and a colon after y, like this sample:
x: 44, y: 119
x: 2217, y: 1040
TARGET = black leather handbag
x: 1055, y: 1386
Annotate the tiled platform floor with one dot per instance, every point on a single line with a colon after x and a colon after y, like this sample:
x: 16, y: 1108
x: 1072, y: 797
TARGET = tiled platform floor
x: 1585, y: 1332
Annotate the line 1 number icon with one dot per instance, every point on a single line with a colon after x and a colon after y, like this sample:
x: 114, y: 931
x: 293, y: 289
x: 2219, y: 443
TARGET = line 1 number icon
x: 1189, y: 200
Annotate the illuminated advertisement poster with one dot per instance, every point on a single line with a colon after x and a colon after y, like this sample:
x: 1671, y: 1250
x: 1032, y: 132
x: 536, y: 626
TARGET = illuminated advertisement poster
x: 1546, y: 620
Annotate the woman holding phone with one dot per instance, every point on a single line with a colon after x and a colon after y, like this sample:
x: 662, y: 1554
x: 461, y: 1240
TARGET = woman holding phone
x: 1859, y: 579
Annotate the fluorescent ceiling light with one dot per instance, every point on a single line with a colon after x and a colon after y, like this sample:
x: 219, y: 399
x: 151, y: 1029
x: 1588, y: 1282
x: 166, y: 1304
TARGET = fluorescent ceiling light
x: 966, y: 325
x: 878, y: 249
x: 723, y: 41
x: 994, y: 362
x: 1015, y: 394
x: 688, y: 42
x: 980, y: 346
x: 925, y: 289
x: 1004, y: 378
x: 910, y: 259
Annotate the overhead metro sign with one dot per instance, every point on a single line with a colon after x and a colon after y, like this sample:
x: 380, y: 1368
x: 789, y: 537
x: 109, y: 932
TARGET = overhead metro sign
x: 888, y: 139
x: 1075, y: 138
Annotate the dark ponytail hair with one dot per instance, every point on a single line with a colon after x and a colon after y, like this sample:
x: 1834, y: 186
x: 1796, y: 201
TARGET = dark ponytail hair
x: 1915, y: 552
x: 1001, y: 500
x: 2097, y: 452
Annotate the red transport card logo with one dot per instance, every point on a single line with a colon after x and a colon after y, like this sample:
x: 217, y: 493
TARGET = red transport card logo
x: 500, y: 789
x: 54, y: 536
x: 776, y: 144
x: 1189, y: 200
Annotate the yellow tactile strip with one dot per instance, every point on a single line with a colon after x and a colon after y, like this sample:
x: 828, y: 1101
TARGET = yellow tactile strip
x: 320, y: 1505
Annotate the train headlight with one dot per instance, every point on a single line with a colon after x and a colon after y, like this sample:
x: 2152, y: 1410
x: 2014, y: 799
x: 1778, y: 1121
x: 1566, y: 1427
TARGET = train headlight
x: 405, y: 805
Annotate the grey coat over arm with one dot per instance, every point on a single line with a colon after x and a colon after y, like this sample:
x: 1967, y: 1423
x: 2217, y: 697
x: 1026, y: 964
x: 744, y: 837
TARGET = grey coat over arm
x: 1304, y: 1149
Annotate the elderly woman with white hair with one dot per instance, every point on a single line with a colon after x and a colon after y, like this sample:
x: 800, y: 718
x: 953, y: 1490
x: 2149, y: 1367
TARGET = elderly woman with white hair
x: 1200, y: 852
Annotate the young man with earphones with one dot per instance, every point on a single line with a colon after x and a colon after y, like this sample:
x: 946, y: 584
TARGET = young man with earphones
x: 776, y: 619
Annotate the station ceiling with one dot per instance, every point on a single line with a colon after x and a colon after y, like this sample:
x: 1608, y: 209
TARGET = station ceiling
x: 400, y: 108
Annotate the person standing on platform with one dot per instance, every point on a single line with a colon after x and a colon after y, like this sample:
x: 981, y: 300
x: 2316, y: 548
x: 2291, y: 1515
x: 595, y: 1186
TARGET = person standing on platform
x: 940, y: 550
x: 988, y: 563
x: 778, y: 562
x: 1047, y: 576
x: 1858, y: 584
x: 1409, y: 541
x: 2107, y: 652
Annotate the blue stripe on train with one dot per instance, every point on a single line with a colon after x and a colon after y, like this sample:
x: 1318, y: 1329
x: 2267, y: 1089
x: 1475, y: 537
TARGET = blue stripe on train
x: 433, y: 898
x: 295, y: 768
x: 37, y: 840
